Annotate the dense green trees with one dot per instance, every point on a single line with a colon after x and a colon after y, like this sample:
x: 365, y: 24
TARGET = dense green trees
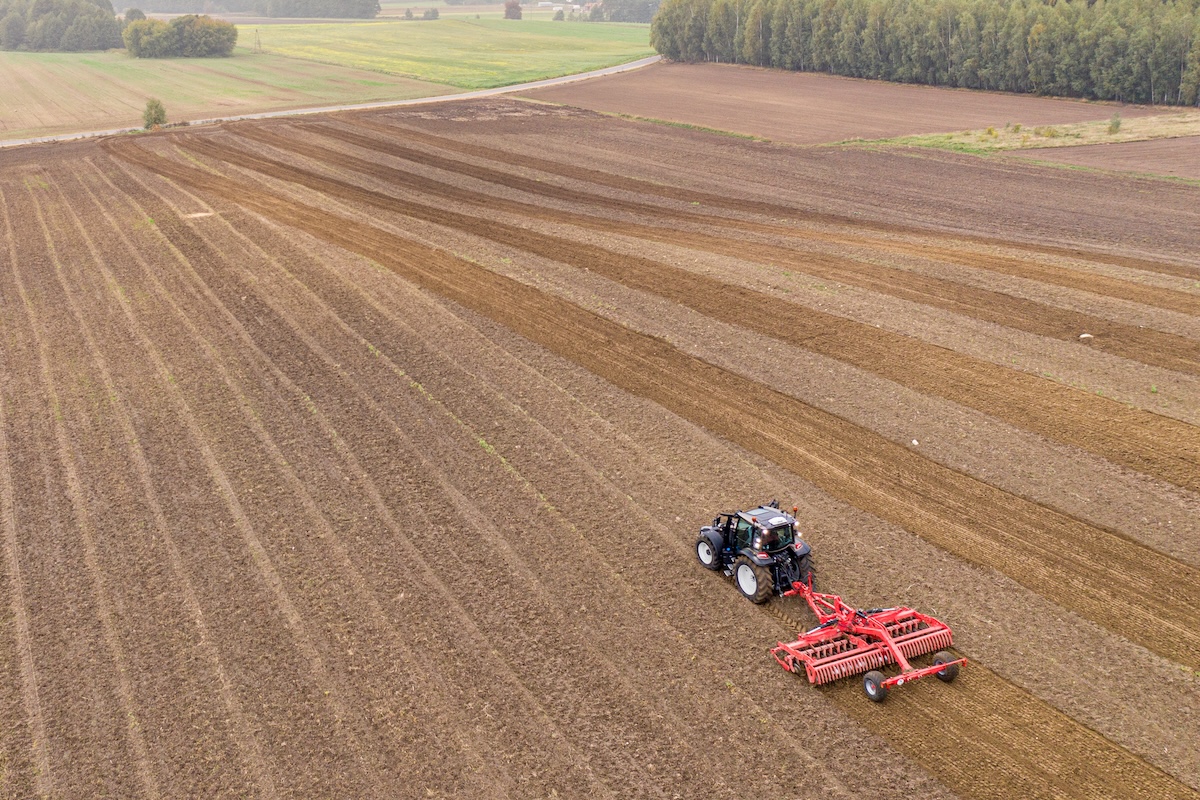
x: 1132, y: 50
x: 189, y: 37
x: 70, y: 25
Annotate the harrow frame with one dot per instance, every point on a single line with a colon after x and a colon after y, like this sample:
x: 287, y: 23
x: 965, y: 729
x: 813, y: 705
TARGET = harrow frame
x: 849, y: 642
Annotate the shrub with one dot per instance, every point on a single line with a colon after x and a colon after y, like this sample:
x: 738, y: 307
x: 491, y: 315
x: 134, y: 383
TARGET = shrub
x: 558, y: 16
x: 155, y: 114
x: 408, y: 14
x: 512, y: 9
x: 188, y: 36
x: 1114, y: 124
x: 133, y: 15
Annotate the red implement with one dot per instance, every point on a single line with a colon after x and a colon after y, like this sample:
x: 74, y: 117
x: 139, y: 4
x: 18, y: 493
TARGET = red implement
x: 849, y: 642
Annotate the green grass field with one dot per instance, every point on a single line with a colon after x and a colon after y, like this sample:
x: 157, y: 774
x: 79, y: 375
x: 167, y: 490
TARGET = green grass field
x: 51, y: 93
x: 305, y: 66
x: 459, y: 50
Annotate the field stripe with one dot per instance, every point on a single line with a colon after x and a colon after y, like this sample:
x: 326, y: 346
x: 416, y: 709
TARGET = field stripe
x: 1150, y: 443
x: 1125, y: 587
x: 1168, y: 299
x: 240, y: 730
x: 751, y: 205
x: 42, y: 778
x: 79, y: 504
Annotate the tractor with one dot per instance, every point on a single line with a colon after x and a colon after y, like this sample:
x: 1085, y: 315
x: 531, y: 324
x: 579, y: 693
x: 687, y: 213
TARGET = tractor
x: 761, y: 548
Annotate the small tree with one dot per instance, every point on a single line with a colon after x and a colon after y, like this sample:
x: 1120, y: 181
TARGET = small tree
x: 512, y: 9
x: 1114, y: 124
x: 408, y: 14
x: 430, y: 13
x: 155, y: 114
x: 558, y: 16
x: 133, y: 15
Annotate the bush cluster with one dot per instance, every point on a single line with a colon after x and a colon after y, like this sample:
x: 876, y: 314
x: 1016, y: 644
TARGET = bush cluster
x: 1130, y: 50
x: 70, y: 25
x: 188, y: 36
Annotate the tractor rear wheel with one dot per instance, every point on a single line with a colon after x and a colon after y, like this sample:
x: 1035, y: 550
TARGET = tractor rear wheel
x: 706, y: 551
x: 753, y: 581
x: 806, y: 569
x: 873, y: 686
x: 951, y: 670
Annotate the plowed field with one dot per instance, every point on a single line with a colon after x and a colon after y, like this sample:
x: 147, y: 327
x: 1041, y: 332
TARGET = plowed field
x: 363, y: 455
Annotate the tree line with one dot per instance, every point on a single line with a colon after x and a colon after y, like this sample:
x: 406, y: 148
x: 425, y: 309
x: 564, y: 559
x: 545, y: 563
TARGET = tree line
x: 1139, y: 51
x: 63, y: 25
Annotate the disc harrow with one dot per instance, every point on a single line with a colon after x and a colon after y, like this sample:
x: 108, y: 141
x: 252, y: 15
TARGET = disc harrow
x: 850, y: 642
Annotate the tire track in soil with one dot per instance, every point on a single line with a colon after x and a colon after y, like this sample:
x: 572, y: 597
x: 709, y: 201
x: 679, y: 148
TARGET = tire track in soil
x: 755, y: 206
x: 1140, y: 440
x: 681, y: 739
x: 933, y: 291
x: 26, y: 765
x: 1029, y: 768
x: 85, y: 526
x: 1123, y: 586
x: 284, y: 355
x: 239, y: 730
x: 335, y: 553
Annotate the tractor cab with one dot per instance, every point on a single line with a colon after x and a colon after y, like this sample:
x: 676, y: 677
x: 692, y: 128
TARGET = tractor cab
x: 765, y: 529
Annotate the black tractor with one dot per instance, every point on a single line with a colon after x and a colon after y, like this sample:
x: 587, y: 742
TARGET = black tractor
x: 761, y: 548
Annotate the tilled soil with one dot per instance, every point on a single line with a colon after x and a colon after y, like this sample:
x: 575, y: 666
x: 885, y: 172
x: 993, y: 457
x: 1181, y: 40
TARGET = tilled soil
x: 812, y: 108
x: 364, y: 456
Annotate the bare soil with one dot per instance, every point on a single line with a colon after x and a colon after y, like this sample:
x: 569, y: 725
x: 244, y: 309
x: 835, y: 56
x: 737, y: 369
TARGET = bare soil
x: 1176, y: 158
x: 810, y: 108
x: 363, y: 455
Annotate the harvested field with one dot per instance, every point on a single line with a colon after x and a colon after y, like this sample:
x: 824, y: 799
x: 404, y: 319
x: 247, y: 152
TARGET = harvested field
x: 363, y: 455
x: 1176, y: 158
x: 810, y: 108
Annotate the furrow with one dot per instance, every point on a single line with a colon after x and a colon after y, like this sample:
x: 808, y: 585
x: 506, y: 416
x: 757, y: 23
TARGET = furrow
x: 83, y: 518
x: 37, y: 772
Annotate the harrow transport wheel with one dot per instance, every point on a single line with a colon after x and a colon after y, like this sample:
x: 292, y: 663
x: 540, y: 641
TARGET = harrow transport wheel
x: 873, y: 686
x: 752, y: 580
x: 707, y: 553
x: 951, y: 671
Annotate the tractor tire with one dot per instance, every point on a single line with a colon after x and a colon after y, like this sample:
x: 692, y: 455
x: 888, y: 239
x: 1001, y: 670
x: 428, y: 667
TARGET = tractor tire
x: 753, y: 581
x: 873, y: 686
x: 708, y: 553
x: 951, y: 671
x: 806, y: 570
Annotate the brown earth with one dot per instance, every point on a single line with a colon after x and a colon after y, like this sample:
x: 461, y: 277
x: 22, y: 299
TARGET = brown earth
x: 363, y: 456
x: 1176, y: 158
x: 811, y: 108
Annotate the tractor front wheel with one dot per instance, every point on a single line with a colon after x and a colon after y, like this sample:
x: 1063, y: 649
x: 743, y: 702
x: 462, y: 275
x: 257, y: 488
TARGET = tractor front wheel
x: 706, y: 551
x: 753, y: 581
x: 950, y: 672
x: 873, y: 686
